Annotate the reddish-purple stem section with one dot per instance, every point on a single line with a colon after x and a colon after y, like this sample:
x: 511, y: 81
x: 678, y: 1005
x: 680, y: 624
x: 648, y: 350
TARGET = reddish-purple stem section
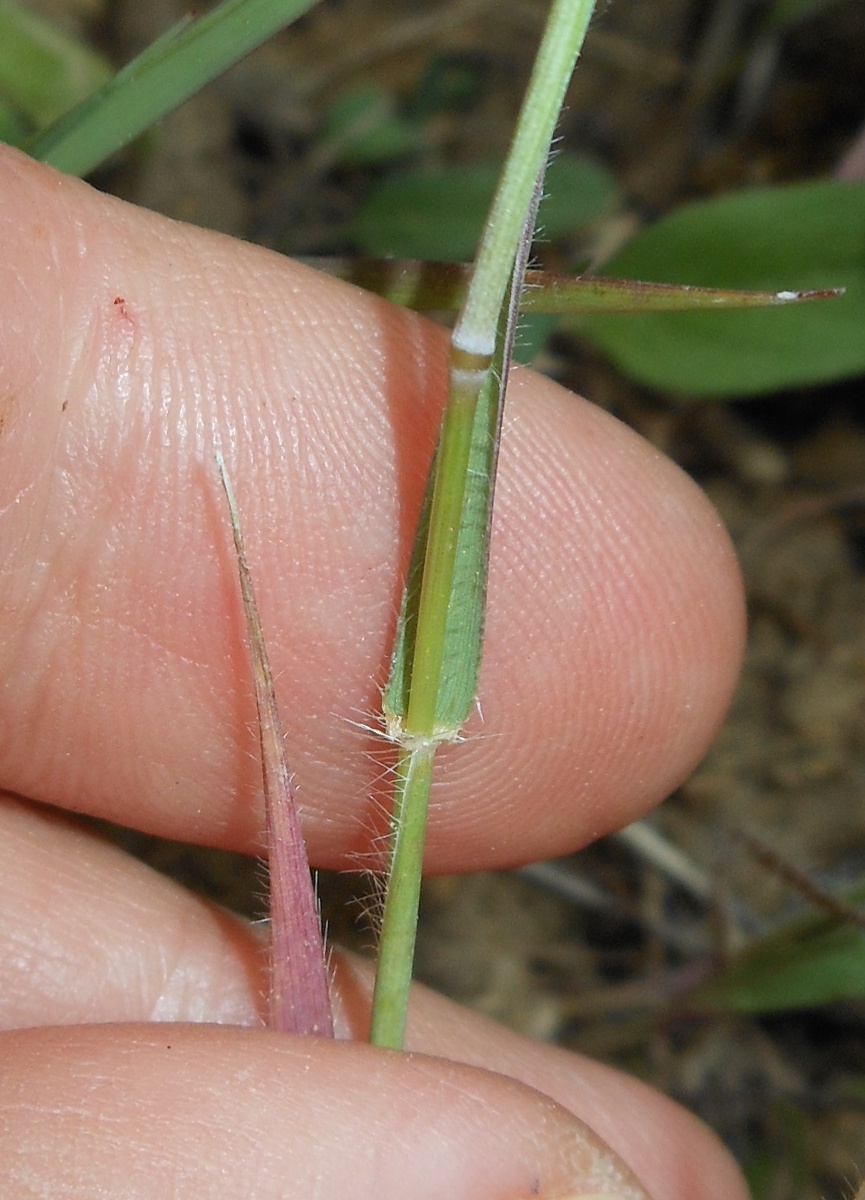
x: 299, y: 1000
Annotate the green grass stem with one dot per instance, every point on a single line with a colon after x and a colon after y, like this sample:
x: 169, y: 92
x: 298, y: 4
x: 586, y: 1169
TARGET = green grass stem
x: 448, y: 677
x: 560, y: 46
x: 439, y: 636
x: 393, y: 976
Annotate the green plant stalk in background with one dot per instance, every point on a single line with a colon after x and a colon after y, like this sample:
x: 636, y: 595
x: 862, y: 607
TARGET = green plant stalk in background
x: 437, y: 654
x: 43, y: 72
x: 168, y: 72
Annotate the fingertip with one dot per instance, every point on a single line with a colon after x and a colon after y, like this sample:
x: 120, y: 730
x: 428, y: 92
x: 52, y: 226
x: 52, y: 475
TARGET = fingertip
x: 671, y: 1151
x: 204, y: 1110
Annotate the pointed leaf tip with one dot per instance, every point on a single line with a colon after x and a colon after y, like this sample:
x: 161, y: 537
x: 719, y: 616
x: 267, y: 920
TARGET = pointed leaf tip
x: 299, y: 998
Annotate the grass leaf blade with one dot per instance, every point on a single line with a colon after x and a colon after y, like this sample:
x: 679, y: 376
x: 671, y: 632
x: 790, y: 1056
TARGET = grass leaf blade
x: 441, y: 287
x: 299, y: 1000
x: 165, y: 74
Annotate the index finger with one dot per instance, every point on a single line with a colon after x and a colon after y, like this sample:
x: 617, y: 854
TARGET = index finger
x: 130, y: 349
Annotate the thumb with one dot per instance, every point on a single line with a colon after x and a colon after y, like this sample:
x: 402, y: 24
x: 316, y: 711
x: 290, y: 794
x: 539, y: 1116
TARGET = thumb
x: 209, y: 1111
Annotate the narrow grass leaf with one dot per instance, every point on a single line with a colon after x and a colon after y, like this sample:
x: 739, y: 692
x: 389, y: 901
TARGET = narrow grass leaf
x: 804, y: 236
x: 812, y: 961
x: 299, y: 1000
x: 441, y: 286
x: 789, y: 972
x: 168, y: 72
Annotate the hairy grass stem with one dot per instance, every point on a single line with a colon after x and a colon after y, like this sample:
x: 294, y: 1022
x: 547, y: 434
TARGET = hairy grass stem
x: 437, y: 654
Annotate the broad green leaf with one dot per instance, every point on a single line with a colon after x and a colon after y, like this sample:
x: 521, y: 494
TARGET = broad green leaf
x: 44, y: 71
x: 802, y: 236
x: 13, y: 130
x: 789, y: 12
x: 364, y: 126
x: 451, y: 83
x: 818, y: 960
x: 440, y: 215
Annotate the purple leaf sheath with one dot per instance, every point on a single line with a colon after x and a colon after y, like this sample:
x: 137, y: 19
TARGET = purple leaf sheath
x: 299, y: 1000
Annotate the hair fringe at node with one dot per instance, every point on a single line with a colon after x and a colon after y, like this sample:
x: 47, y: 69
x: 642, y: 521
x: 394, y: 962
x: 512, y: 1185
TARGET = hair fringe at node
x: 370, y: 864
x: 368, y: 721
x: 369, y: 905
x: 370, y: 867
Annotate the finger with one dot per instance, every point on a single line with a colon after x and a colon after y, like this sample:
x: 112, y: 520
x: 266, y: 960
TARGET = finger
x: 215, y: 1112
x: 91, y: 936
x: 669, y: 1150
x: 130, y: 348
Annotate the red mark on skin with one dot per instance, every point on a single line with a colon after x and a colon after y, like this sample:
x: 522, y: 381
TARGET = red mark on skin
x: 120, y: 305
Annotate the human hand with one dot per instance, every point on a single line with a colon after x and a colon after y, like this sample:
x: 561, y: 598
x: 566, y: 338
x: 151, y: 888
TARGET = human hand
x: 130, y: 348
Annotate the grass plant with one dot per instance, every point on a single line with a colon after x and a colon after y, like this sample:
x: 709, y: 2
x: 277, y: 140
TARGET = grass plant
x: 433, y: 677
x: 435, y: 662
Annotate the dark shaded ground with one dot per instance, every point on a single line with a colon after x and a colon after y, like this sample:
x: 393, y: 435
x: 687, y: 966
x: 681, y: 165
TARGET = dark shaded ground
x: 680, y: 98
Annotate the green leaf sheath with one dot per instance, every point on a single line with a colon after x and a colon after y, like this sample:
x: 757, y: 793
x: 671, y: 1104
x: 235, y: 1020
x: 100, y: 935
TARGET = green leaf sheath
x: 464, y: 607
x: 456, y: 683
